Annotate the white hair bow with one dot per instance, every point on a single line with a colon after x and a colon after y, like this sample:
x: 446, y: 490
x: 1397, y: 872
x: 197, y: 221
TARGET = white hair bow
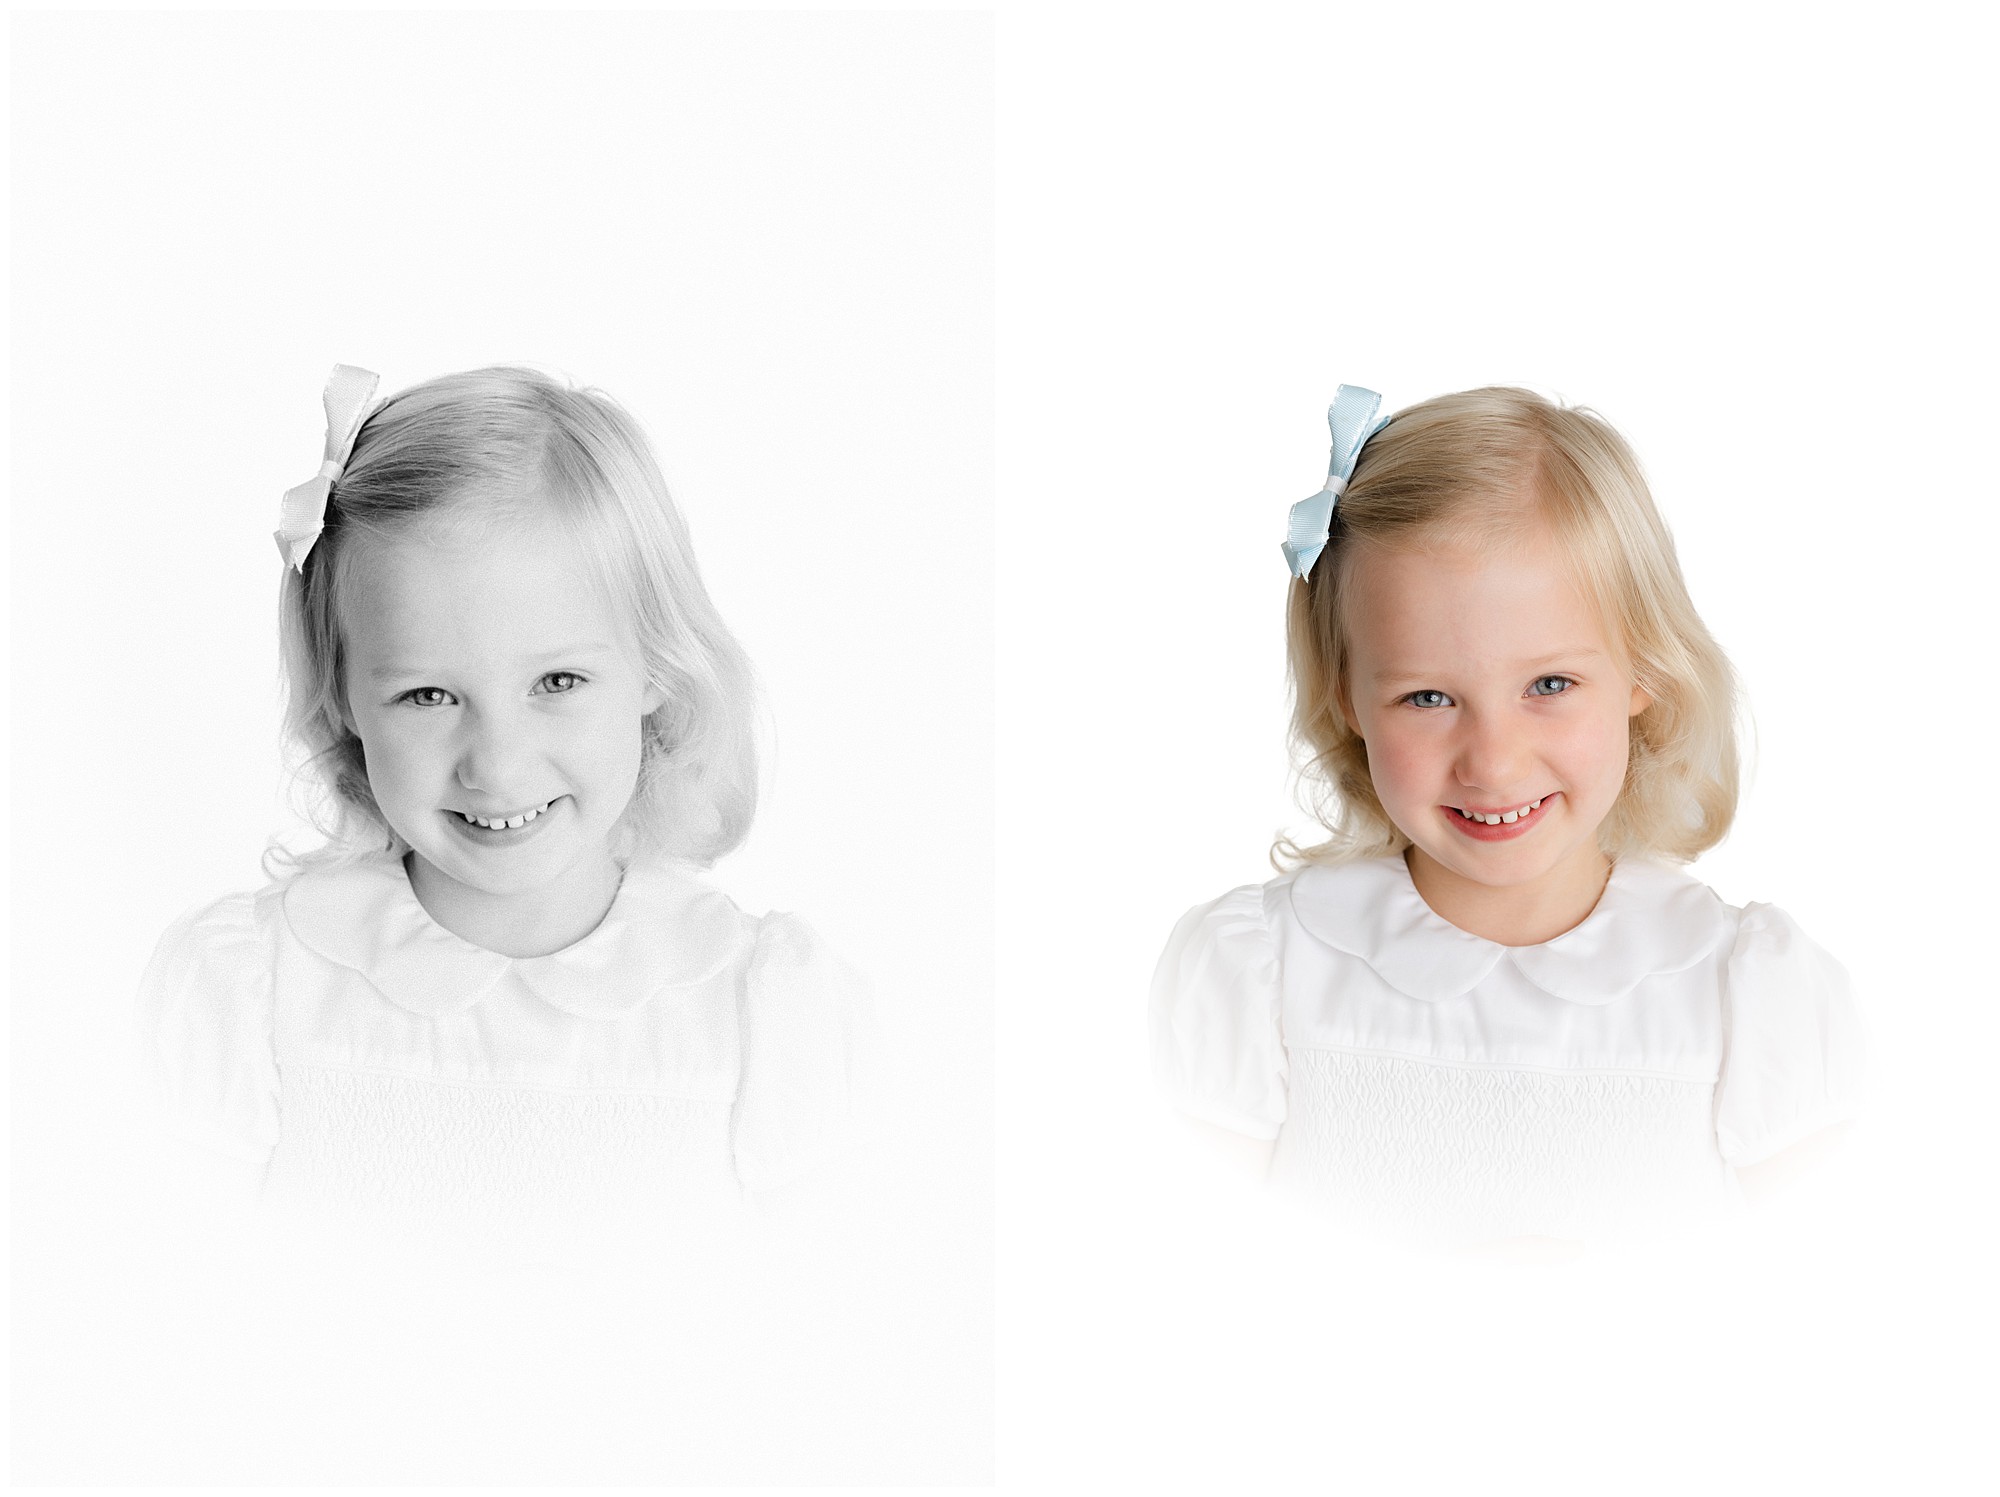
x: 302, y: 514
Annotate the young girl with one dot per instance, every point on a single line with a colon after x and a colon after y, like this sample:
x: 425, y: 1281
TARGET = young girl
x: 1490, y: 1006
x: 501, y: 996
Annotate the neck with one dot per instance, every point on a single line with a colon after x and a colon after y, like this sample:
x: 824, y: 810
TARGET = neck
x: 1517, y: 915
x: 535, y: 922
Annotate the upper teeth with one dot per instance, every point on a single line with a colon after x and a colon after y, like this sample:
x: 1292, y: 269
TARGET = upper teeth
x: 1500, y: 818
x: 500, y: 823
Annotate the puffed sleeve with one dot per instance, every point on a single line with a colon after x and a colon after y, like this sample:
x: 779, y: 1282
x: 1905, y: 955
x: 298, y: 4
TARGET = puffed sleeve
x: 1218, y: 1043
x: 807, y: 1042
x: 1793, y: 1061
x: 205, y: 1022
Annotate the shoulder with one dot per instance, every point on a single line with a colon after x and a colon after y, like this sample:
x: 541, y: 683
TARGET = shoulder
x: 784, y: 945
x: 1215, y: 1011
x: 1776, y: 973
x: 224, y: 942
x: 1221, y: 959
x: 797, y: 983
x: 1247, y: 916
x: 1656, y: 893
x: 206, y: 1020
x: 808, y: 1037
x: 680, y: 927
x: 229, y: 919
x: 1766, y: 935
x: 1794, y: 1038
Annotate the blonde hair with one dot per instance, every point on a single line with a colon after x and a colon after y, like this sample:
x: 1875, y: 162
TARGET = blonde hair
x: 1490, y: 467
x: 494, y: 446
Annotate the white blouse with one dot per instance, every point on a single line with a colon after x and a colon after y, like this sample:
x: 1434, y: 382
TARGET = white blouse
x: 1432, y: 1085
x: 681, y: 1053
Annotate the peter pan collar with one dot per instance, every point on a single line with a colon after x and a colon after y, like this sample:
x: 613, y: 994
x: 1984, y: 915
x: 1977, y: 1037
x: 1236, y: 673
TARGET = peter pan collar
x: 665, y: 929
x: 1652, y: 919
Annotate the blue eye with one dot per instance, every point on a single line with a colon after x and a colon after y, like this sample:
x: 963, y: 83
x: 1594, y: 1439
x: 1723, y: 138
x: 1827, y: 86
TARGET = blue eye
x: 421, y: 696
x: 570, y: 681
x: 1557, y: 686
x: 1423, y: 699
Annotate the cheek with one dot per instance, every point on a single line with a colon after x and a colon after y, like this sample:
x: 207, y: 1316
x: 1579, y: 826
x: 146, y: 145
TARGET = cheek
x: 400, y: 760
x: 612, y: 745
x: 1400, y: 760
x: 379, y: 753
x: 1598, y: 748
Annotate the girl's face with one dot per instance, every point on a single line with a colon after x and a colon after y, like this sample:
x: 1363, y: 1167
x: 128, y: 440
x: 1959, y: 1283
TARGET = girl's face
x: 1485, y: 682
x: 488, y: 677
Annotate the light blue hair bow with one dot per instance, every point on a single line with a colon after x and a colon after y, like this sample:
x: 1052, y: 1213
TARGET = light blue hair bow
x: 1352, y: 417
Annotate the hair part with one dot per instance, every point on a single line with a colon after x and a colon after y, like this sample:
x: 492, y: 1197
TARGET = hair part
x: 494, y: 447
x: 1490, y: 469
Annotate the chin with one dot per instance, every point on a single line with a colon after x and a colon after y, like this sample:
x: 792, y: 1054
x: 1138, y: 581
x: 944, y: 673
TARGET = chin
x: 1495, y: 864
x: 527, y: 868
x: 514, y: 880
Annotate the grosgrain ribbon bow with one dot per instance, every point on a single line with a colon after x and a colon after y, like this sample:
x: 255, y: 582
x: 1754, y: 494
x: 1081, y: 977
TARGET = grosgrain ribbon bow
x: 1352, y: 417
x: 302, y: 514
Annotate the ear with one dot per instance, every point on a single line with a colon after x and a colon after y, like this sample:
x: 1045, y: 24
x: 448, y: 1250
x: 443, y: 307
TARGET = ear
x: 343, y: 709
x: 1345, y: 703
x: 654, y: 699
x: 1641, y: 700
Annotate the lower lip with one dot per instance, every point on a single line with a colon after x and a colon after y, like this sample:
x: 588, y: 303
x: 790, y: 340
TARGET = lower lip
x: 1481, y: 831
x: 513, y: 836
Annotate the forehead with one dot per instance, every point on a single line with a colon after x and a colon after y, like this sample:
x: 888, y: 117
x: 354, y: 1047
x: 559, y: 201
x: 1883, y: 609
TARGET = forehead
x: 492, y: 595
x: 1458, y: 605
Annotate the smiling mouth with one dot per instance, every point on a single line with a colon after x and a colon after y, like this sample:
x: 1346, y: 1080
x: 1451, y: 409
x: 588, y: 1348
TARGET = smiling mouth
x: 1499, y: 818
x: 505, y: 823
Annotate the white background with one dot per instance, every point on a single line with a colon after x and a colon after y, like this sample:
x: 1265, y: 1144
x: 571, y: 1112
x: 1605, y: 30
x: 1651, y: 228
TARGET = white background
x: 1754, y: 238
x: 770, y: 237
x: 1758, y: 240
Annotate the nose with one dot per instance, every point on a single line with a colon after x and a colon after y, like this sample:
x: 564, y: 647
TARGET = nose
x: 1494, y: 753
x: 496, y: 752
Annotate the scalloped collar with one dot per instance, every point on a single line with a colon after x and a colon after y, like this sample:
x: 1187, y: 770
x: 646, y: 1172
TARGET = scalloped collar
x: 1651, y: 919
x: 665, y: 929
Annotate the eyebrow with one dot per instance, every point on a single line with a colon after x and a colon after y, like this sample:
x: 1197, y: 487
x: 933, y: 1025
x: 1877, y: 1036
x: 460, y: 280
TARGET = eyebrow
x: 567, y: 652
x: 1395, y: 674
